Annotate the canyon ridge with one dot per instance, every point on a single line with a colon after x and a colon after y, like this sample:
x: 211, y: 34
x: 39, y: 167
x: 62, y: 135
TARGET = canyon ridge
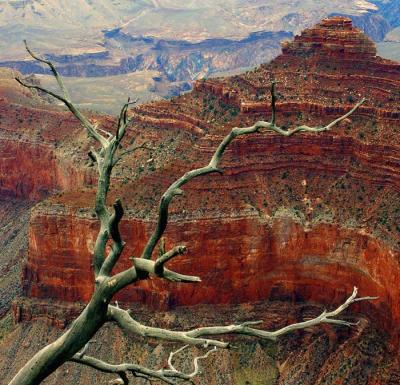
x: 290, y: 227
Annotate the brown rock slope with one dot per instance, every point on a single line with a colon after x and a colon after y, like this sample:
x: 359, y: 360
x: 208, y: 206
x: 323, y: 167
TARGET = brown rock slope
x: 33, y: 163
x: 300, y: 219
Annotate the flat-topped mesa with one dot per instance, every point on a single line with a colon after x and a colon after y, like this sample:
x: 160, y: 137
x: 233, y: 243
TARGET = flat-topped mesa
x: 333, y: 37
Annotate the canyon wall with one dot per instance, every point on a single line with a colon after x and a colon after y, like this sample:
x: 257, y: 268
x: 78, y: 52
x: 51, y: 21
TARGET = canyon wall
x: 299, y: 220
x: 276, y: 193
x: 33, y: 161
x: 248, y: 245
x: 239, y: 260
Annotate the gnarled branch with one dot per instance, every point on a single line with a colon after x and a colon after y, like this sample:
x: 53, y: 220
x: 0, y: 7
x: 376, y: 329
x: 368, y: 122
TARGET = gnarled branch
x: 65, y: 99
x: 174, y: 188
x: 123, y: 119
x: 142, y: 268
x: 164, y: 258
x: 195, y: 361
x: 196, y: 336
x: 118, y: 245
x: 122, y: 369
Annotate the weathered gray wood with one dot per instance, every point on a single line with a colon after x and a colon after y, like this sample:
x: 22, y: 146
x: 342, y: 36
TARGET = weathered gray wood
x: 71, y: 346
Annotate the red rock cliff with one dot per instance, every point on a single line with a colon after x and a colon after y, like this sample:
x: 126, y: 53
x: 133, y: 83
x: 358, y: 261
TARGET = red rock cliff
x: 36, y: 142
x: 297, y: 219
x: 305, y: 218
x: 301, y: 219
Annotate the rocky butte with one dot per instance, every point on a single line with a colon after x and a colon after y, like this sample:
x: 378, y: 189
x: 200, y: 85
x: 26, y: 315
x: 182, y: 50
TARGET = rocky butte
x: 292, y: 221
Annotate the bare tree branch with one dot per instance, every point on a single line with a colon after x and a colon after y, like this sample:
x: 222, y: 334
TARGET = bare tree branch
x: 195, y: 336
x: 118, y: 245
x: 65, y: 99
x: 166, y: 375
x: 52, y: 68
x: 164, y: 258
x: 136, y: 370
x: 114, y: 221
x: 142, y: 268
x: 105, y: 162
x: 174, y: 188
x: 84, y: 350
x: 123, y: 119
x: 195, y: 361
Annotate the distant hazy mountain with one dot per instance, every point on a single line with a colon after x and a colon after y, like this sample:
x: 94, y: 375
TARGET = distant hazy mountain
x: 181, y: 40
x: 64, y: 25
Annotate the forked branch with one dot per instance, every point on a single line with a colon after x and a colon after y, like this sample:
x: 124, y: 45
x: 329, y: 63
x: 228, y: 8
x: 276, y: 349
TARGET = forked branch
x: 164, y: 258
x: 65, y: 98
x: 168, y: 376
x: 175, y: 188
x: 196, y: 337
x: 123, y: 369
x: 123, y: 119
x: 143, y: 268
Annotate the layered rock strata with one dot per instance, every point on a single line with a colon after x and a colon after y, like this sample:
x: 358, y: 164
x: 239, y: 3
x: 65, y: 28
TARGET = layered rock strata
x: 297, y: 219
x: 35, y: 160
x: 276, y: 195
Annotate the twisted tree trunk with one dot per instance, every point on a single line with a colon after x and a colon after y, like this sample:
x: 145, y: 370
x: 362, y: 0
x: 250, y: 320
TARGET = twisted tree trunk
x: 51, y: 357
x: 71, y: 346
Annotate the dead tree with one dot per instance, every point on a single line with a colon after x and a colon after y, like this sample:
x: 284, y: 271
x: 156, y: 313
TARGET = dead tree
x: 72, y: 345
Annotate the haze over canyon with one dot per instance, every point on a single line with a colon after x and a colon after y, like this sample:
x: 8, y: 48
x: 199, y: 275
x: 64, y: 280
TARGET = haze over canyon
x: 156, y: 49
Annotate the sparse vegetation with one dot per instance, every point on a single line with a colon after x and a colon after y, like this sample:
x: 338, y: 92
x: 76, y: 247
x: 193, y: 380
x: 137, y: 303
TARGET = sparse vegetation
x: 73, y: 343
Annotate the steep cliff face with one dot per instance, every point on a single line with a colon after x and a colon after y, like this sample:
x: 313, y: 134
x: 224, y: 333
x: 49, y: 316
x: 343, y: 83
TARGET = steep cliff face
x: 284, y: 203
x: 292, y: 219
x: 33, y: 161
x: 239, y: 260
x: 333, y: 37
x: 14, y: 216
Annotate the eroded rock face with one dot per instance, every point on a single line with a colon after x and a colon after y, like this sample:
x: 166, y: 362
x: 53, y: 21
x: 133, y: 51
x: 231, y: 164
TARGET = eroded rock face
x: 34, y: 161
x: 298, y: 219
x: 239, y: 260
x: 332, y: 37
x: 289, y: 214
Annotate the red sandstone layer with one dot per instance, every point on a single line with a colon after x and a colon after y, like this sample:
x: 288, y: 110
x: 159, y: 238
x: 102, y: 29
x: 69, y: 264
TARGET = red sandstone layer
x: 304, y: 218
x: 299, y: 219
